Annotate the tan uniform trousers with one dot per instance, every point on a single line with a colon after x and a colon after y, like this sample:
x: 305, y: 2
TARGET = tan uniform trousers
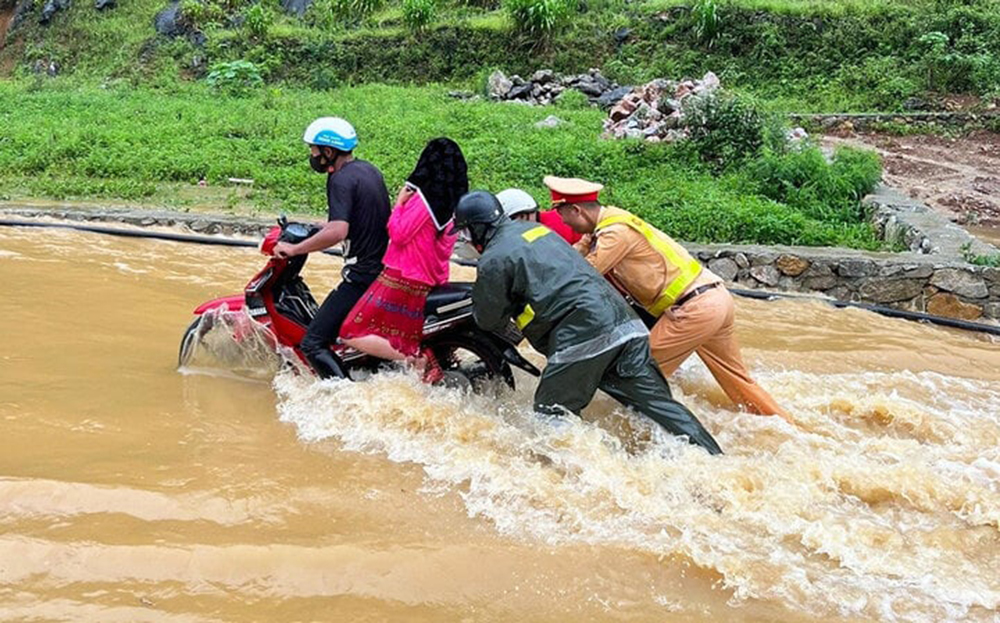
x: 705, y: 324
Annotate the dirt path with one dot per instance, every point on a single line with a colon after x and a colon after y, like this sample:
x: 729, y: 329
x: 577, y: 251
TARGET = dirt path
x: 960, y: 177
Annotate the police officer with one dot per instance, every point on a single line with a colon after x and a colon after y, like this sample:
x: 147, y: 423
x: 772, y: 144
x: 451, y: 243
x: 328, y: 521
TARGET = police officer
x: 690, y: 308
x: 570, y: 314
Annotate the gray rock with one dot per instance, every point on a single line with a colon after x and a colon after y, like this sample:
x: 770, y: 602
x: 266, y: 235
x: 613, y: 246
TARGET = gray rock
x: 589, y: 87
x: 21, y: 11
x: 550, y: 122
x: 520, y: 92
x: 818, y: 269
x: 621, y: 35
x: 913, y: 271
x: 991, y: 275
x: 961, y: 282
x: 51, y: 8
x: 199, y: 225
x: 296, y: 7
x: 855, y: 268
x: 991, y: 310
x: 789, y: 284
x: 765, y: 257
x: 841, y: 293
x: 821, y: 282
x: 724, y: 267
x: 167, y: 21
x: 883, y: 290
x: 543, y: 76
x: 766, y: 274
x: 612, y: 97
x: 498, y: 86
x: 741, y: 260
x: 101, y: 5
x: 915, y: 103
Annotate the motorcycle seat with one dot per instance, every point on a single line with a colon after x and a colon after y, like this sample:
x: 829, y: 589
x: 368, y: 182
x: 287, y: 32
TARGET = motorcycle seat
x: 448, y: 298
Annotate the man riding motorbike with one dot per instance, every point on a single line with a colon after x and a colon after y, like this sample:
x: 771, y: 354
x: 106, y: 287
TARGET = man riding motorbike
x: 358, y: 212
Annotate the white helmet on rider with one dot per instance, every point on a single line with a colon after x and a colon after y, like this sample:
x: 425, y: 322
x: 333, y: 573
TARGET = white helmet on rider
x: 515, y: 201
x: 331, y: 132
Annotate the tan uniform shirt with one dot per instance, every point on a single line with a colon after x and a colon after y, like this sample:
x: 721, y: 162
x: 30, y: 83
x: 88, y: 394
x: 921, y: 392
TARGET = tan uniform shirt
x: 632, y: 263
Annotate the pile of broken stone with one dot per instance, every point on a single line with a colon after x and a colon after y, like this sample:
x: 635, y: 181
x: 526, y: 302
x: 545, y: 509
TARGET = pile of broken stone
x: 545, y: 86
x: 655, y: 110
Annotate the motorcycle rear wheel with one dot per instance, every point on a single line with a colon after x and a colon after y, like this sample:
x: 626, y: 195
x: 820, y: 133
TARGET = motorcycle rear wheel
x: 473, y: 356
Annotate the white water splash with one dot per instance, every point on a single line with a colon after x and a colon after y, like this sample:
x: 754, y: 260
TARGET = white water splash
x: 883, y: 501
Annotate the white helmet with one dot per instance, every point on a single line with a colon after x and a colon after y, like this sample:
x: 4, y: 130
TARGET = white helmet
x: 331, y: 132
x: 515, y: 201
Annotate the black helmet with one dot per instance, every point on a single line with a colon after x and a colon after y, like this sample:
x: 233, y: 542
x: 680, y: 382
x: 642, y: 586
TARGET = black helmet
x: 478, y: 206
x: 479, y: 212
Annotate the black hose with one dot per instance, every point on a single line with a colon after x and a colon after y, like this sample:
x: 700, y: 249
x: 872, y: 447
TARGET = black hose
x: 890, y: 312
x: 752, y: 294
x: 134, y: 233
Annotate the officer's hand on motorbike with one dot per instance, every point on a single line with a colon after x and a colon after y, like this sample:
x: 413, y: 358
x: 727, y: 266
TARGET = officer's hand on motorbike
x: 284, y: 250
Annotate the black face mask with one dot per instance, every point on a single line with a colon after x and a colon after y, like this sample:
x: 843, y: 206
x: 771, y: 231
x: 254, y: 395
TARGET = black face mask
x: 319, y: 163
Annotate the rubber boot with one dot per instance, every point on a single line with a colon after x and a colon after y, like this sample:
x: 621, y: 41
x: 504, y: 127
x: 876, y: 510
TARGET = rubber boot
x: 326, y: 365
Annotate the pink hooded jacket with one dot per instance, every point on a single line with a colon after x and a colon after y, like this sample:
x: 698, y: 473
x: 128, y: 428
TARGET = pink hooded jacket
x: 415, y: 248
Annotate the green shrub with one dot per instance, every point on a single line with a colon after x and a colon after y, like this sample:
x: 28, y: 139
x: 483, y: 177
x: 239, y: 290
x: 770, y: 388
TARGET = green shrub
x: 707, y: 21
x: 334, y: 14
x: 258, y: 20
x: 417, y: 14
x: 571, y: 99
x: 724, y: 130
x: 235, y: 77
x: 203, y: 13
x: 539, y: 17
x: 828, y: 191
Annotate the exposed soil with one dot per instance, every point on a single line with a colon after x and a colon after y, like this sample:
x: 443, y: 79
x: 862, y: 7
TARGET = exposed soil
x: 960, y: 177
x: 6, y: 15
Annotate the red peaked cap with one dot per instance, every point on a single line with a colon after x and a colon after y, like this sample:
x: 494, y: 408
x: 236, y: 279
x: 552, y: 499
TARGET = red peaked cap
x: 571, y: 189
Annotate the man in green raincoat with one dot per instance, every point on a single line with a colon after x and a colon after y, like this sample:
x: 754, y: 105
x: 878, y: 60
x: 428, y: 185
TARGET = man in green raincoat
x: 570, y: 314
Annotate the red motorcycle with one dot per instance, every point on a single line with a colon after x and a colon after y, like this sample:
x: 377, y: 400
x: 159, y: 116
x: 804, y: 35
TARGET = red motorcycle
x: 278, y: 305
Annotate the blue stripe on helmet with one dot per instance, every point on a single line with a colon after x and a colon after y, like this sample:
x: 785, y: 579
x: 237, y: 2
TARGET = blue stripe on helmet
x: 329, y: 138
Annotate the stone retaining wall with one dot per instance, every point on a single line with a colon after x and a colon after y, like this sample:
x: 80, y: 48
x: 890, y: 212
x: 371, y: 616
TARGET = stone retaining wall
x: 932, y: 277
x: 910, y: 281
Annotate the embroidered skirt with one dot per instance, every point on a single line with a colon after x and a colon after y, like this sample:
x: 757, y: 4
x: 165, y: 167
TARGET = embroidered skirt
x: 392, y: 308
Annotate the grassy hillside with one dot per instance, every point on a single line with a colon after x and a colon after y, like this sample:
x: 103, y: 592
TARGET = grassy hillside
x: 71, y: 140
x: 807, y: 55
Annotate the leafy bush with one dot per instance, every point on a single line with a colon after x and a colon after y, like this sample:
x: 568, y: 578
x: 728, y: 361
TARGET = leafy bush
x: 417, y: 14
x: 829, y: 191
x: 333, y: 14
x: 537, y: 16
x: 258, y: 20
x: 723, y: 129
x: 235, y: 77
x: 571, y: 99
x: 707, y: 22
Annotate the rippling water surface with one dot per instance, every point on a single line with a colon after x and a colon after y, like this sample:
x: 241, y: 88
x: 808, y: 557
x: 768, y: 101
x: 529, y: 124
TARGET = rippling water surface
x: 130, y: 491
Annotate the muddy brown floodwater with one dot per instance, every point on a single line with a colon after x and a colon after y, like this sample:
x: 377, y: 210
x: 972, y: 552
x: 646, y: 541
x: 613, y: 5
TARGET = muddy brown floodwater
x: 131, y: 491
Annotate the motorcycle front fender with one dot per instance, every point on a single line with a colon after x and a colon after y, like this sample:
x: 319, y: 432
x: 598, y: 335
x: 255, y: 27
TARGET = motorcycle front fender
x: 230, y: 303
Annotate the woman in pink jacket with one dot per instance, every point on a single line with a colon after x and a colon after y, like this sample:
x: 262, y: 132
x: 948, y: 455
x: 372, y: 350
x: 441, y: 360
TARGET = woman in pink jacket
x: 388, y: 321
